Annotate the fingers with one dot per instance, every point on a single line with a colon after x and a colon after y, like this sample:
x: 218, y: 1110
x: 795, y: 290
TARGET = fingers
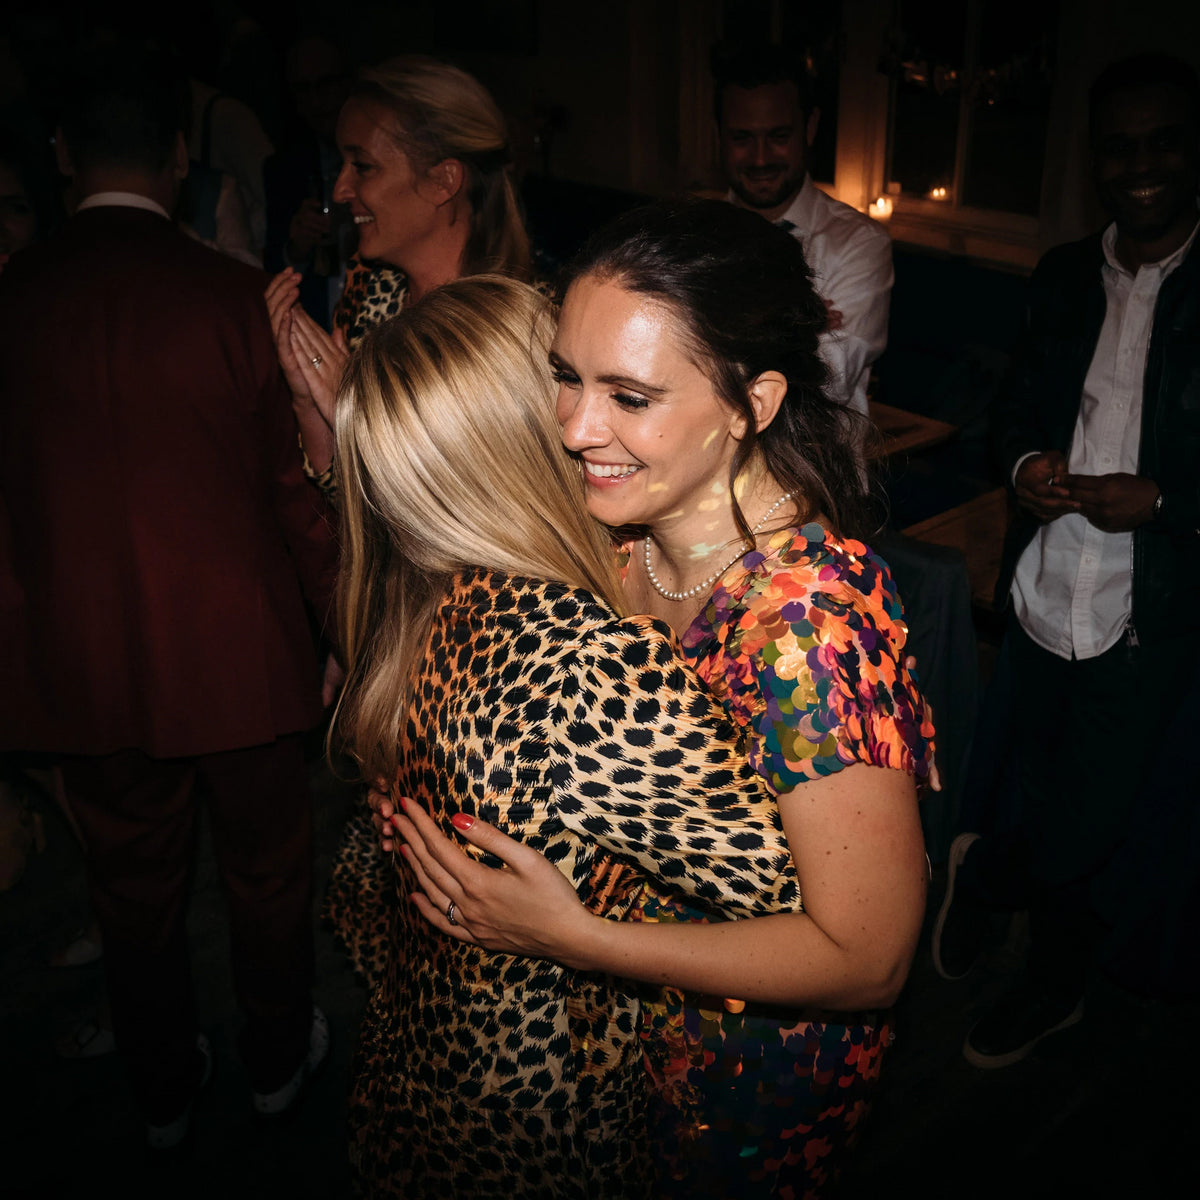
x: 437, y: 918
x: 282, y: 292
x: 509, y: 851
x: 442, y: 862
x: 319, y: 380
x: 438, y: 896
x: 323, y: 344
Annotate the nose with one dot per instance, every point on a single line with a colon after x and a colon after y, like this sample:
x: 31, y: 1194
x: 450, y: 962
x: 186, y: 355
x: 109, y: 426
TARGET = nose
x: 583, y: 419
x: 762, y: 153
x: 343, y: 191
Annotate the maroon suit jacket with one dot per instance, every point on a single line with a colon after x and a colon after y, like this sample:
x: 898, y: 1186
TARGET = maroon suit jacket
x: 157, y: 534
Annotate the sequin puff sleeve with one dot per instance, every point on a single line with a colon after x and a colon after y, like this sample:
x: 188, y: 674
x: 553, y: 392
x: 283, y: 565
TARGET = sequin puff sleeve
x: 806, y: 648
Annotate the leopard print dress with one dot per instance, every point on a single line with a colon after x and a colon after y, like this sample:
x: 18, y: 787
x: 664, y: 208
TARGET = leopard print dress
x: 487, y: 1075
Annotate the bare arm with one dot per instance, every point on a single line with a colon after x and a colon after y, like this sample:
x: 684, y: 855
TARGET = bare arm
x: 857, y: 844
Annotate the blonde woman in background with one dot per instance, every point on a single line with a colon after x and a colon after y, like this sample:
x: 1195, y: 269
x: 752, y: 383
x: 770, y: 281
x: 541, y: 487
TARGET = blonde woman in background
x: 490, y: 676
x: 427, y: 174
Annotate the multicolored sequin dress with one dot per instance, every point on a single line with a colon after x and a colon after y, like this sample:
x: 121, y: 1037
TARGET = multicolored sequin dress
x: 803, y: 643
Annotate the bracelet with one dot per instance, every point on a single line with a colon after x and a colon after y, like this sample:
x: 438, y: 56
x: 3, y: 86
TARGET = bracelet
x: 1158, y: 512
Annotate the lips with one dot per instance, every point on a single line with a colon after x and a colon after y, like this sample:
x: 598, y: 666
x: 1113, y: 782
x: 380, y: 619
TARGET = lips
x: 1145, y: 194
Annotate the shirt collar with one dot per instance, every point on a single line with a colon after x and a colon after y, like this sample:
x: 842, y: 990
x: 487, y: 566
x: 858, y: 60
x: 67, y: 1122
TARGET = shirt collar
x: 122, y: 200
x: 1164, y: 265
x: 800, y: 211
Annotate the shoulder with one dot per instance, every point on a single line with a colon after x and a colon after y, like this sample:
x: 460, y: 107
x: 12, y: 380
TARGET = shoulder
x: 809, y: 648
x: 845, y: 226
x: 543, y: 616
x: 805, y: 581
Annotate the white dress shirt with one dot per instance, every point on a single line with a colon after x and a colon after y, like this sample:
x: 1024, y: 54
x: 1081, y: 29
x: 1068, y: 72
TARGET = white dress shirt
x: 1073, y: 587
x: 850, y: 256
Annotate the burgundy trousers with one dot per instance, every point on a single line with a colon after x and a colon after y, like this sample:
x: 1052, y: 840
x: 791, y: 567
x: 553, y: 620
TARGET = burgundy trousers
x: 138, y: 815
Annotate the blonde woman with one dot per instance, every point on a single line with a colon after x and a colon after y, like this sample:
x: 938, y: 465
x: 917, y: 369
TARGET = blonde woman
x: 490, y: 676
x: 427, y: 173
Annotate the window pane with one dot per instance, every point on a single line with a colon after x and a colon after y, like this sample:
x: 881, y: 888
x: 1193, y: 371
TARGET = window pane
x: 927, y: 71
x: 1010, y: 99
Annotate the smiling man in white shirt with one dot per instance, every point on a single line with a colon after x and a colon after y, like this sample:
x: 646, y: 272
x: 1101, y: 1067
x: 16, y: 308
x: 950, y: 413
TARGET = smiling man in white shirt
x: 766, y: 121
x: 1100, y: 429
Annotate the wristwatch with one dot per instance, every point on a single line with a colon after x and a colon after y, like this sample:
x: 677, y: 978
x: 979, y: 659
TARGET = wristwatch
x: 1159, y: 511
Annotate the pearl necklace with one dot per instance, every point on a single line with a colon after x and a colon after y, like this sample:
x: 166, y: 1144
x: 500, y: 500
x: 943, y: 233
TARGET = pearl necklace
x: 707, y: 583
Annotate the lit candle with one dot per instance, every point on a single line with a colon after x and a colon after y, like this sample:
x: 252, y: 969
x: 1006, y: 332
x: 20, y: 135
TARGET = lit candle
x: 881, y: 209
x: 937, y: 193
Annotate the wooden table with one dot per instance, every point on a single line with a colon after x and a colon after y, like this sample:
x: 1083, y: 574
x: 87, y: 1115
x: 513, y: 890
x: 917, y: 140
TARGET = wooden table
x: 905, y: 432
x: 977, y: 529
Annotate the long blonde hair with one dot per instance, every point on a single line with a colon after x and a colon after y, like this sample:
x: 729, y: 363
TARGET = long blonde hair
x: 442, y: 112
x: 450, y: 458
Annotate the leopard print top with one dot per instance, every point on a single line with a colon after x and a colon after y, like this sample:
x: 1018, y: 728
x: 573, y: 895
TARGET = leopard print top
x: 373, y: 292
x: 484, y: 1074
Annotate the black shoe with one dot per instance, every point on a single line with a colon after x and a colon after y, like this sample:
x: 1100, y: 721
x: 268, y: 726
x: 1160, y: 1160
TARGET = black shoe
x: 961, y: 927
x: 1010, y: 1029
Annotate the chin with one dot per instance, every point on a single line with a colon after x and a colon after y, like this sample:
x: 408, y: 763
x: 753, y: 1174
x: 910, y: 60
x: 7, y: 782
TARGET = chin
x: 1146, y: 226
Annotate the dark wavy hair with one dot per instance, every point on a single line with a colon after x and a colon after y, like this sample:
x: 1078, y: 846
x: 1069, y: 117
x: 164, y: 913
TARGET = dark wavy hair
x: 743, y: 296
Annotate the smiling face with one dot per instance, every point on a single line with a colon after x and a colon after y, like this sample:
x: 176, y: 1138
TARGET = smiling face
x: 393, y: 206
x: 654, y: 438
x: 764, y: 144
x: 1146, y: 161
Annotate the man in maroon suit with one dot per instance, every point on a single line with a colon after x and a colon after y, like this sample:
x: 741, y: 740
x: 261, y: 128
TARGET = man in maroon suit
x: 157, y: 540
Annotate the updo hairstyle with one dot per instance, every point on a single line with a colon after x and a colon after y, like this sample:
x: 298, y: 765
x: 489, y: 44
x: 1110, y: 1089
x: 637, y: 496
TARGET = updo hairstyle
x: 442, y: 112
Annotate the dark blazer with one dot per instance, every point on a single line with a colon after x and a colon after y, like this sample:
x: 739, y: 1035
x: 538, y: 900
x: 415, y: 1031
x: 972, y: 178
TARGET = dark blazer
x: 157, y: 535
x: 1039, y: 406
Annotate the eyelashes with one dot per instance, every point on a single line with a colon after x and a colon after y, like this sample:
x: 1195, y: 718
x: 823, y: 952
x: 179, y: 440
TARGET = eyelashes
x: 569, y: 379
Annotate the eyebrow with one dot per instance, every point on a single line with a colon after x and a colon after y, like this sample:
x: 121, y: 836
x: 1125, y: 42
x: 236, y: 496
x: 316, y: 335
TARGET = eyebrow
x: 628, y: 381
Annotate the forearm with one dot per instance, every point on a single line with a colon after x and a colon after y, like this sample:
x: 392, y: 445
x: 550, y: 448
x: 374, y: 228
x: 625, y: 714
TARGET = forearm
x: 315, y: 434
x: 784, y: 959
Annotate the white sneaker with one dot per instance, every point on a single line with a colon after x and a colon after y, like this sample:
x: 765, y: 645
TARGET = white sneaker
x: 273, y: 1104
x: 171, y: 1135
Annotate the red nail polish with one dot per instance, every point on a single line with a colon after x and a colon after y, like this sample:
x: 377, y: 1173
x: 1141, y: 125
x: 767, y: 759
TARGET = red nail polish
x: 462, y: 822
x: 403, y: 805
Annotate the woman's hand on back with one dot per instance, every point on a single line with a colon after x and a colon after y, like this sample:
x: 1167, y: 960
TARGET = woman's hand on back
x: 528, y: 907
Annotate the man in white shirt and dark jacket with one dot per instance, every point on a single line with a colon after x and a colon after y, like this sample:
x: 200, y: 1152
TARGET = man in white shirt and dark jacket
x: 1099, y: 431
